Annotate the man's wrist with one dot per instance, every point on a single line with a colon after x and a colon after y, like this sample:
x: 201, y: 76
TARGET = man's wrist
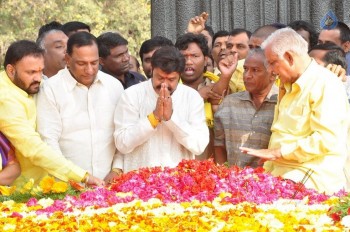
x: 85, y: 178
x: 117, y: 170
x: 153, y: 120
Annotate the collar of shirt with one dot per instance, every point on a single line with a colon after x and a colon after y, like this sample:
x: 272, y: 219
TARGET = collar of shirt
x: 72, y: 82
x: 300, y: 83
x: 245, y: 96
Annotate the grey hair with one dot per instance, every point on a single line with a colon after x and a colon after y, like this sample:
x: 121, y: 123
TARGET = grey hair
x: 41, y: 38
x: 257, y: 51
x: 286, y: 39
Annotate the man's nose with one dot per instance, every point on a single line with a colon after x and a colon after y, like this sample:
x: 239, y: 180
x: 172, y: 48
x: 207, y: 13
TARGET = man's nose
x: 188, y: 60
x: 38, y: 76
x: 89, y: 69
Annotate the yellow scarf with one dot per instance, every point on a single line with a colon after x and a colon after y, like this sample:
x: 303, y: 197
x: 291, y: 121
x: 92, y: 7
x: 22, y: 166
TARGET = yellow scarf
x: 209, y: 116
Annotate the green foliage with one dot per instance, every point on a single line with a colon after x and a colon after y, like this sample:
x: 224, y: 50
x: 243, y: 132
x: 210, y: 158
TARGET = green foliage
x: 24, y: 197
x: 22, y: 19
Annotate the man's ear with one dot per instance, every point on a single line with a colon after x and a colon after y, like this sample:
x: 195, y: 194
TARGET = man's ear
x: 289, y: 58
x: 67, y: 59
x: 102, y: 61
x: 206, y: 61
x: 346, y: 46
x: 10, y: 70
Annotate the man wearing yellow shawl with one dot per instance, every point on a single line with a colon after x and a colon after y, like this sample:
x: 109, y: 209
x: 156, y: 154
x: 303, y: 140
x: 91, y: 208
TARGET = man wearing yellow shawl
x: 195, y: 50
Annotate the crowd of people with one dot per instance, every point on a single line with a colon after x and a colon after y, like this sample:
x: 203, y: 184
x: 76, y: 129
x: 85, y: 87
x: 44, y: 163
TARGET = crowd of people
x: 82, y: 108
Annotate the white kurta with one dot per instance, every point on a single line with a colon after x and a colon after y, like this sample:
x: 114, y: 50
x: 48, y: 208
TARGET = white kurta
x: 140, y: 145
x: 78, y: 121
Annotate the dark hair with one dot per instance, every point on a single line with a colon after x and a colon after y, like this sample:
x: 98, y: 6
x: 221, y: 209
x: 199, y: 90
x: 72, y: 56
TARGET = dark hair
x: 151, y: 44
x: 220, y: 34
x: 80, y: 39
x: 20, y: 49
x: 344, y: 32
x: 107, y: 41
x: 168, y: 59
x: 334, y: 55
x: 74, y: 26
x: 278, y: 25
x: 238, y: 31
x: 306, y: 26
x: 54, y: 25
x: 210, y: 30
x: 184, y: 40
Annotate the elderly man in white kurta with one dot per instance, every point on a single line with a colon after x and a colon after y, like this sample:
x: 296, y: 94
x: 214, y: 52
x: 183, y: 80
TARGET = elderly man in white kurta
x: 160, y: 122
x: 76, y: 109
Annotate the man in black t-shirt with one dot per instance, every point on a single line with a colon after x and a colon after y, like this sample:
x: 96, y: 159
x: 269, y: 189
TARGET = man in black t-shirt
x: 115, y: 57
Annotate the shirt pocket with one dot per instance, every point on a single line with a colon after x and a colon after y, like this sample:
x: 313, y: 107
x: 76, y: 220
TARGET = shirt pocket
x: 298, y: 119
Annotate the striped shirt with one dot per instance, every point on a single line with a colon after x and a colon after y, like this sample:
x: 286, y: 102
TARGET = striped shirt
x: 238, y: 123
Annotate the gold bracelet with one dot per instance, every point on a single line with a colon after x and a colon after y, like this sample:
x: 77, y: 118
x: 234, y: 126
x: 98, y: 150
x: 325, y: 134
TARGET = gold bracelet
x: 153, y: 120
x: 85, y: 178
x: 117, y: 170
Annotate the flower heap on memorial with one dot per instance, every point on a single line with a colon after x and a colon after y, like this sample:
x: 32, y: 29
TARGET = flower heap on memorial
x: 194, y: 196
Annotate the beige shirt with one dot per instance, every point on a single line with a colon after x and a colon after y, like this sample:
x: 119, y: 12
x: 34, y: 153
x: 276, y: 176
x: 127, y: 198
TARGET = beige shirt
x: 78, y: 121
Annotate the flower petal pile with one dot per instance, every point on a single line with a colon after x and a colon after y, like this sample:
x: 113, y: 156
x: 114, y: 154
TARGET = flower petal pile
x: 194, y: 196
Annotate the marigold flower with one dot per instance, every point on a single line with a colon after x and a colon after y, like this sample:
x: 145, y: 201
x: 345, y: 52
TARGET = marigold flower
x: 46, y: 184
x: 7, y: 191
x: 59, y: 187
x: 28, y: 186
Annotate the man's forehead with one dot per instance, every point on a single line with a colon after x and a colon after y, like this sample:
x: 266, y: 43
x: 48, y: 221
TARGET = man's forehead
x: 162, y: 73
x: 221, y: 39
x: 330, y: 33
x: 256, y: 57
x: 119, y: 49
x: 82, y: 52
x: 29, y: 60
x: 238, y: 36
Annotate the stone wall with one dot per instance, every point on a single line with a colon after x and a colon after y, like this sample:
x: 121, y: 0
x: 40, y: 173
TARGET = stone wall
x: 169, y: 18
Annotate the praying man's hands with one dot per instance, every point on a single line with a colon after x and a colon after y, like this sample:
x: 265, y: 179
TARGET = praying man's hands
x: 197, y: 24
x: 164, y: 107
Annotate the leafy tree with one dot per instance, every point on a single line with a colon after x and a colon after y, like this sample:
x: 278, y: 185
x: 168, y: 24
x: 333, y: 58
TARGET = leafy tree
x: 22, y: 19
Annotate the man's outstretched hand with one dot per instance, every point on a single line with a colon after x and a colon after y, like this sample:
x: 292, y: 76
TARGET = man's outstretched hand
x: 266, y: 154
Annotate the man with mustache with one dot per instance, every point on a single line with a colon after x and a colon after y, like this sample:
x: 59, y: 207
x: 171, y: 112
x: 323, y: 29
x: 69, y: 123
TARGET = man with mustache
x: 245, y: 118
x: 196, y: 51
x: 24, y: 64
x: 159, y: 122
x: 76, y: 109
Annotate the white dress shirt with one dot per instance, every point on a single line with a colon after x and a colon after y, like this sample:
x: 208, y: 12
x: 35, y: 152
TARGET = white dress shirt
x: 182, y: 137
x: 78, y: 121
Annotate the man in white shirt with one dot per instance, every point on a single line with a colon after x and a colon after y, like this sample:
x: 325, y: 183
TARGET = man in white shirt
x: 76, y: 109
x: 160, y: 122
